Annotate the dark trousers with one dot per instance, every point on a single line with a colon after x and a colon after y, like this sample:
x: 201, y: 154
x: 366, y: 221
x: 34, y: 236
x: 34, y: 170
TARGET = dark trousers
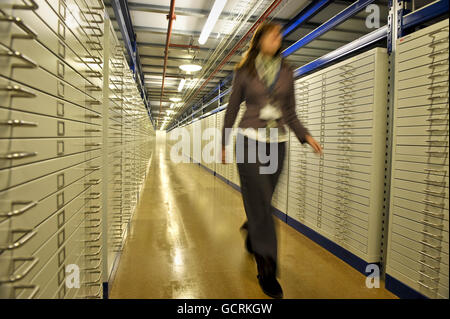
x: 257, y: 190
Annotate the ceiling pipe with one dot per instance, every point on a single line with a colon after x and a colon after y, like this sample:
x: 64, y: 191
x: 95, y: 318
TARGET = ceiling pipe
x: 171, y: 16
x: 187, y: 46
x: 263, y: 17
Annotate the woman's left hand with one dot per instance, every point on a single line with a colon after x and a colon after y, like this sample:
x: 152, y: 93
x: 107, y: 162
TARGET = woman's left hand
x: 314, y: 144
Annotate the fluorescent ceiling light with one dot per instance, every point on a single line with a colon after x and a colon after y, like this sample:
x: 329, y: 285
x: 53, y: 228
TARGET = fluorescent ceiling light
x: 211, y: 21
x: 175, y: 99
x: 181, y: 85
x: 190, y: 67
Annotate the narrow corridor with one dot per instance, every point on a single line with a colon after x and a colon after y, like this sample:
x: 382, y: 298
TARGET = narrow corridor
x: 185, y: 242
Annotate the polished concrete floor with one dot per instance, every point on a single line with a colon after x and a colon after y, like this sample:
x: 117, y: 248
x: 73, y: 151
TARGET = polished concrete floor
x: 185, y: 243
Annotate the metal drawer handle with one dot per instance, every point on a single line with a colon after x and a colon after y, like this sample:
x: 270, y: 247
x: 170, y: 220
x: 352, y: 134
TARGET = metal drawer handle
x: 93, y: 88
x: 93, y: 182
x: 429, y: 245
x: 99, y: 235
x: 100, y: 6
x: 33, y: 293
x: 93, y: 144
x: 426, y: 201
x: 432, y: 76
x: 17, y: 91
x: 436, y: 215
x: 437, y: 258
x: 18, y: 123
x: 434, y: 170
x: 438, y: 53
x: 432, y: 87
x: 28, y: 63
x: 95, y: 253
x: 433, y: 44
x: 13, y: 277
x: 95, y: 45
x: 97, y: 210
x: 93, y: 271
x: 436, y: 152
x: 92, y: 59
x: 94, y: 102
x: 438, y: 31
x: 432, y: 224
x: 426, y: 265
x: 92, y: 168
x: 436, y: 130
x: 428, y: 276
x: 92, y: 130
x: 431, y: 235
x: 93, y: 196
x: 17, y: 155
x: 93, y: 74
x: 434, y: 183
x: 99, y: 260
x: 433, y: 65
x: 437, y: 97
x: 434, y: 193
x: 29, y: 33
x: 29, y: 233
x: 98, y: 220
x: 17, y: 212
x: 95, y: 31
x: 94, y: 116
x: 94, y: 14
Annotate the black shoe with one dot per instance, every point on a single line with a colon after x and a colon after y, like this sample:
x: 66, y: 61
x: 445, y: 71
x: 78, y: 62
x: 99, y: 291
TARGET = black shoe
x: 270, y: 286
x: 267, y: 269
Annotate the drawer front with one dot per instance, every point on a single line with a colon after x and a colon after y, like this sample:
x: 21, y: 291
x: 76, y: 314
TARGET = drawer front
x: 427, y: 84
x: 438, y: 110
x: 25, y: 98
x: 432, y: 50
x: 348, y: 66
x: 65, y: 202
x: 423, y: 37
x: 423, y: 230
x: 350, y: 83
x: 18, y: 175
x: 33, y: 150
x: 60, y: 63
x: 24, y: 200
x: 350, y: 92
x: 423, y: 246
x: 16, y: 124
x: 52, y: 274
x: 428, y: 266
x: 438, y: 219
x: 438, y: 71
x: 402, y: 273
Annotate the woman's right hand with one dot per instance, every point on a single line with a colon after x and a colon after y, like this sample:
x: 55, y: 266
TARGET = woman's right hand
x: 314, y: 144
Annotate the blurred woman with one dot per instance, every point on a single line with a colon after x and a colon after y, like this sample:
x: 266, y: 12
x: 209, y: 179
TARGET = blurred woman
x: 266, y: 83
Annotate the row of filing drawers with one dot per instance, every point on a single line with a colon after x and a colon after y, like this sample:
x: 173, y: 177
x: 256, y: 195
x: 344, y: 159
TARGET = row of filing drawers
x: 418, y: 226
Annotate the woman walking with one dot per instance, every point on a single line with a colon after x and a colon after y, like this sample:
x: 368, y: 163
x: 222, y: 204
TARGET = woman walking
x: 265, y: 82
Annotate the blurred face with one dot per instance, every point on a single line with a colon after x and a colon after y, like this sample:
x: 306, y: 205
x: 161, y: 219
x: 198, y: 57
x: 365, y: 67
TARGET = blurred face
x: 271, y: 41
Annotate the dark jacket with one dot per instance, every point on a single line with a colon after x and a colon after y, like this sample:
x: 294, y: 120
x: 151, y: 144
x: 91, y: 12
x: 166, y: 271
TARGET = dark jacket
x: 252, y: 90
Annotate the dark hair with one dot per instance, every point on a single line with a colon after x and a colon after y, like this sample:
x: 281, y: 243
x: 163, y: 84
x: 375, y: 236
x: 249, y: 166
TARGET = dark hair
x: 248, y: 61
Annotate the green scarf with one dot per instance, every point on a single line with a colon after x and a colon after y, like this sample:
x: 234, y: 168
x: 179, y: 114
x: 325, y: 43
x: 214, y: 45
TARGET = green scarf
x: 267, y: 67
